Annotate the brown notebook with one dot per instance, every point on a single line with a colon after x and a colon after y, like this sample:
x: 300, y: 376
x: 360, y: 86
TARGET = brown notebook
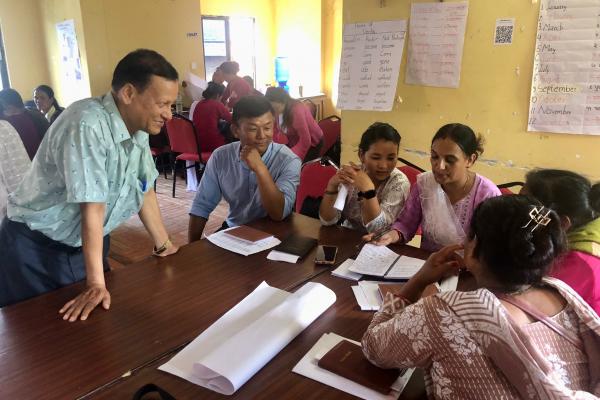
x: 385, y: 288
x: 249, y: 234
x: 347, y: 359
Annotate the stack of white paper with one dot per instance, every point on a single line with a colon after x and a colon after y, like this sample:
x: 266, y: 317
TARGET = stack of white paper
x: 241, y: 246
x: 308, y: 367
x: 343, y: 271
x: 243, y: 340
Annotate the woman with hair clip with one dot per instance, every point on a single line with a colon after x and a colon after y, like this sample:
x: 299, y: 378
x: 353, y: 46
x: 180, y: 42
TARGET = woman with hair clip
x: 443, y: 200
x: 577, y: 202
x: 377, y: 189
x: 297, y: 128
x: 44, y: 99
x: 519, y: 335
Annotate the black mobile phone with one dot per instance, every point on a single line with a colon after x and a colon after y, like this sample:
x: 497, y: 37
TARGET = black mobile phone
x: 325, y: 254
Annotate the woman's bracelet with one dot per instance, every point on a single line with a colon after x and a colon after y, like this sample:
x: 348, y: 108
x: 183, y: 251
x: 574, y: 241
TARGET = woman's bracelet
x: 163, y: 248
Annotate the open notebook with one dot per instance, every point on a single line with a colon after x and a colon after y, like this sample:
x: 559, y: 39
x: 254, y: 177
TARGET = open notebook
x: 381, y: 261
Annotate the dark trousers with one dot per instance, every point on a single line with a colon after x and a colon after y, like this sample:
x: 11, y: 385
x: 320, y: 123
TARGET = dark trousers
x: 32, y: 263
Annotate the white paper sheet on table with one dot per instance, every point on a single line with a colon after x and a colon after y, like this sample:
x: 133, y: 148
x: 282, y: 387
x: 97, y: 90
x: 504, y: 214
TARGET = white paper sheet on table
x: 448, y: 284
x: 241, y: 246
x: 281, y: 256
x: 308, y: 367
x: 248, y: 336
x: 342, y: 271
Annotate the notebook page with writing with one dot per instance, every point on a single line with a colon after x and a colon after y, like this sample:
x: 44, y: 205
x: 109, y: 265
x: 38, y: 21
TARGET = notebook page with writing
x: 374, y: 260
x: 405, y: 267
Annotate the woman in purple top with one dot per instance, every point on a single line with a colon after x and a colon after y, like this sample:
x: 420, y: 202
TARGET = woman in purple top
x: 442, y: 201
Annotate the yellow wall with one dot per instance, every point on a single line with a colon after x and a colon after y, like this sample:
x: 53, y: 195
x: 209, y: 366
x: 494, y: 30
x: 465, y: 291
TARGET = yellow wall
x: 24, y: 45
x: 493, y: 98
x: 264, y: 21
x: 331, y: 46
x: 115, y: 27
x: 53, y: 12
x: 298, y: 37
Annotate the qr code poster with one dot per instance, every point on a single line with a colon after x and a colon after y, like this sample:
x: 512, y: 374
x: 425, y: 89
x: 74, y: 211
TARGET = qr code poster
x: 504, y: 31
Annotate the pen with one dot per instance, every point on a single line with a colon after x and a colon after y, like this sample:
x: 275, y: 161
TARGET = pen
x: 326, y: 160
x: 375, y: 237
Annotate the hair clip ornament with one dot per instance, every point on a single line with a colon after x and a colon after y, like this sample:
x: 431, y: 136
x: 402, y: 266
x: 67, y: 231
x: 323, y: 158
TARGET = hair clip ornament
x: 536, y: 216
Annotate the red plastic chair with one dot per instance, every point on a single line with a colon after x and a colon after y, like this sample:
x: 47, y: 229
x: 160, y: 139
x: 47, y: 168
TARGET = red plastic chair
x: 183, y: 139
x: 504, y: 187
x: 313, y: 181
x: 410, y: 170
x: 332, y: 129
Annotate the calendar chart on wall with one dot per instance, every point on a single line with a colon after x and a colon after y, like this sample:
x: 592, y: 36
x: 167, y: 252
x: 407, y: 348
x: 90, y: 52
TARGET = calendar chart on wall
x: 565, y: 87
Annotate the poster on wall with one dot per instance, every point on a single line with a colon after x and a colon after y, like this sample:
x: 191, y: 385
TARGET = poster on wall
x: 565, y: 86
x: 435, y: 43
x: 70, y: 62
x: 370, y: 64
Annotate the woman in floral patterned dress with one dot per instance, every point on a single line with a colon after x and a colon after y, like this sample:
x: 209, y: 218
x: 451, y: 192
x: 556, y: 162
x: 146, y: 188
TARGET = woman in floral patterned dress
x: 520, y: 335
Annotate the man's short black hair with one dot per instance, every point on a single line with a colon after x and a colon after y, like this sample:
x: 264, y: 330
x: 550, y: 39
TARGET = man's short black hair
x: 10, y: 97
x: 250, y: 107
x: 138, y: 67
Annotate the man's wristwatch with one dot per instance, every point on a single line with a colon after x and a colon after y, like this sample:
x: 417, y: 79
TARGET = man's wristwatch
x: 369, y: 194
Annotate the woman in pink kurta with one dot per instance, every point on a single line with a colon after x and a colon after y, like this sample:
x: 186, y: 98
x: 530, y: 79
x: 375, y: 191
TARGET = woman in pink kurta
x: 297, y: 128
x: 442, y: 201
x: 518, y: 336
x: 236, y: 87
x: 577, y: 202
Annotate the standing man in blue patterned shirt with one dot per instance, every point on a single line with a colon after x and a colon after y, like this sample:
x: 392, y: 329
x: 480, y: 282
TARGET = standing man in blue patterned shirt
x: 92, y: 171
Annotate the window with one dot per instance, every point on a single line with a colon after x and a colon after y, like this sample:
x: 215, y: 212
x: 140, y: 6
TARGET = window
x: 228, y: 38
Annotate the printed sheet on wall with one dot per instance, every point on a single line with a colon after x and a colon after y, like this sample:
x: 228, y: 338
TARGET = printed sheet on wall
x: 565, y: 88
x: 435, y: 43
x: 370, y: 64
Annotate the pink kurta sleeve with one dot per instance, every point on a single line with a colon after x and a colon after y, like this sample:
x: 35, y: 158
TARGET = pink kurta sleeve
x: 410, y: 217
x: 300, y: 129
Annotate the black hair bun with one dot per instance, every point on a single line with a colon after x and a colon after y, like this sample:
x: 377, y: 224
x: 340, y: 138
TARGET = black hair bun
x: 594, y: 197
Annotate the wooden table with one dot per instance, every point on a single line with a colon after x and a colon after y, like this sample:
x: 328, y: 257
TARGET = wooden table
x: 276, y: 380
x: 158, y: 306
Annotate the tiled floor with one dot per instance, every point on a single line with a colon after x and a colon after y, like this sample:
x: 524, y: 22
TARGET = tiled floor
x: 130, y: 242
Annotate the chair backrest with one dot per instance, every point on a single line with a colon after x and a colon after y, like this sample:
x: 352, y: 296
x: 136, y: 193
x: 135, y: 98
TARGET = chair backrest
x: 410, y: 170
x: 505, y: 187
x: 411, y: 173
x: 332, y: 128
x: 313, y: 181
x: 182, y: 135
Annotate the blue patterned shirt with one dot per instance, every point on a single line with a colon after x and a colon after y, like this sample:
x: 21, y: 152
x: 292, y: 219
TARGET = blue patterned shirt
x: 227, y: 176
x: 87, y: 156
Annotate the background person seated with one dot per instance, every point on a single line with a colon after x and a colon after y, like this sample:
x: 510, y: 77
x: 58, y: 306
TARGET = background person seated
x: 296, y: 126
x: 443, y: 200
x: 257, y: 177
x: 44, y: 99
x: 31, y: 125
x: 207, y: 115
x: 236, y: 86
x: 577, y: 202
x: 491, y: 343
x: 377, y: 189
